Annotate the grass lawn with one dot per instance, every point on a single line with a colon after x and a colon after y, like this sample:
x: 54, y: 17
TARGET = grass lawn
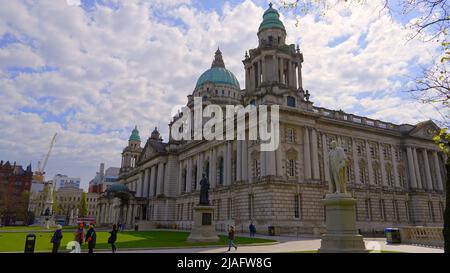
x: 15, y: 241
x: 31, y: 228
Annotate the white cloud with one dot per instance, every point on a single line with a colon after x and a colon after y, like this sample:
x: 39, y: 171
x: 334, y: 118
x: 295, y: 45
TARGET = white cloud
x: 129, y: 62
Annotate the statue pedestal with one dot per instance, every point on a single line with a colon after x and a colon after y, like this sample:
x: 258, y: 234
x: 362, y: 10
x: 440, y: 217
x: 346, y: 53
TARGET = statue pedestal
x: 341, y: 235
x: 204, y: 229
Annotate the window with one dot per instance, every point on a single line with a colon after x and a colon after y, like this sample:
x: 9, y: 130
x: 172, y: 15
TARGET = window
x: 184, y: 177
x: 360, y: 148
x: 256, y: 167
x: 290, y: 101
x: 389, y: 175
x: 376, y: 173
x: 194, y: 178
x: 290, y: 135
x: 230, y: 208
x: 431, y: 211
x: 402, y: 176
x: 253, y: 102
x: 251, y: 206
x: 297, y: 206
x: 382, y: 210
x: 408, y: 212
x: 220, y: 171
x: 368, y: 210
x: 291, y: 168
x: 363, y: 174
x: 396, y: 212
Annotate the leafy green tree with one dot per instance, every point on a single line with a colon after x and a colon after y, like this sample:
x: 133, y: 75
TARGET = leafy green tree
x: 83, y: 205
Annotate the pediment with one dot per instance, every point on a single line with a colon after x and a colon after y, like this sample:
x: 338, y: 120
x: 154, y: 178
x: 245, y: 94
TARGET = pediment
x: 426, y: 130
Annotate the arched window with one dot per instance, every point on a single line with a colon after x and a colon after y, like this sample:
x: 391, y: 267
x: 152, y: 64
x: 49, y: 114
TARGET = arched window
x: 290, y: 101
x: 363, y: 176
x: 256, y: 164
x: 389, y: 175
x: 376, y: 173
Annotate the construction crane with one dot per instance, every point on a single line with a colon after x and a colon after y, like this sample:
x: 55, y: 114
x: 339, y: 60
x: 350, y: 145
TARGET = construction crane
x: 39, y: 174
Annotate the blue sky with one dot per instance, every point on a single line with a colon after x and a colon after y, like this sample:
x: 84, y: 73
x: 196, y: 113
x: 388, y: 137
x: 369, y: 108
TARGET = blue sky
x: 92, y: 71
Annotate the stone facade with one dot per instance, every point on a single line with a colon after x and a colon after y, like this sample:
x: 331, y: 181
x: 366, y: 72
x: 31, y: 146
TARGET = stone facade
x: 396, y: 172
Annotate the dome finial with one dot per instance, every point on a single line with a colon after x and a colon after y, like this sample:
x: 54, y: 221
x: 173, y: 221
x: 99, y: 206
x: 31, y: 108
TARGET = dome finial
x: 218, y: 60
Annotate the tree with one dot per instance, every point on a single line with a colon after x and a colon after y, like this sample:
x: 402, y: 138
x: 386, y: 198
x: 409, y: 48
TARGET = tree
x: 83, y: 205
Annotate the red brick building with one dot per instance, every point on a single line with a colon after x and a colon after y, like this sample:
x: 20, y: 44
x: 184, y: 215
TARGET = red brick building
x: 15, y: 185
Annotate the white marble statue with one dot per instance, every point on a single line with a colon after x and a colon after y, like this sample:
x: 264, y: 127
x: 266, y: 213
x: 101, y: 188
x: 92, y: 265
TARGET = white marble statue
x: 338, y: 169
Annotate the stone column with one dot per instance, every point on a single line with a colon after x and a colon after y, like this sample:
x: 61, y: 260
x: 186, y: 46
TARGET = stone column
x: 263, y: 69
x: 213, y: 168
x: 416, y: 168
x: 395, y: 168
x: 153, y: 180
x: 411, y: 168
x: 229, y: 164
x: 384, y: 181
x: 427, y: 170
x: 146, y: 181
x: 315, y: 155
x: 139, y: 186
x: 299, y: 75
x: 370, y: 165
x: 307, y: 153
x: 199, y: 170
x: 271, y: 167
x: 244, y: 160
x: 437, y: 167
x: 189, y: 175
x: 279, y: 161
x: 293, y: 76
x: 180, y: 177
x: 355, y: 162
x: 160, y: 186
x: 238, y: 160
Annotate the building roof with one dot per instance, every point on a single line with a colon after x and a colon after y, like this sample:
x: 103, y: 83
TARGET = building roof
x: 271, y: 19
x: 218, y: 73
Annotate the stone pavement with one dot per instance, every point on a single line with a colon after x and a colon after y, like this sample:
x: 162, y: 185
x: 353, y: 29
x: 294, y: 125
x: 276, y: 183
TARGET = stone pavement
x: 289, y: 244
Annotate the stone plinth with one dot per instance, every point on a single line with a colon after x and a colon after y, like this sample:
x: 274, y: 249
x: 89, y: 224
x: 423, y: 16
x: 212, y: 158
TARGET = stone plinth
x: 341, y: 234
x: 204, y: 229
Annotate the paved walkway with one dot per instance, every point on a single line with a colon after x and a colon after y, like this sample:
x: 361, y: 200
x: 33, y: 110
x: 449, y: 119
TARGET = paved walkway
x: 290, y: 244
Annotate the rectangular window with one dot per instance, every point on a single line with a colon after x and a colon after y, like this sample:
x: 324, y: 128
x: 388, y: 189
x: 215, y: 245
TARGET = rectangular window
x: 218, y: 209
x: 368, y: 210
x: 251, y: 206
x: 396, y: 211
x: 431, y: 211
x: 229, y: 208
x: 297, y: 206
x: 291, y: 168
x: 290, y: 135
x: 382, y: 210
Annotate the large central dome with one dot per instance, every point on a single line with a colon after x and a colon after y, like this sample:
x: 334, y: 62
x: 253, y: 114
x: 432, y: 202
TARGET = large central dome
x: 218, y: 73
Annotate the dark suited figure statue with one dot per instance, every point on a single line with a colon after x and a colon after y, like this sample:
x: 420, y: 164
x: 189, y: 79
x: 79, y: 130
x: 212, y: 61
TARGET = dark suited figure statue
x: 204, y: 187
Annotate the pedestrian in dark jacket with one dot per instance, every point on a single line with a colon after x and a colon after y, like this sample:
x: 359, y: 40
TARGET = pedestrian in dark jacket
x: 79, y: 234
x: 252, y: 229
x: 112, y: 238
x: 91, y: 238
x: 231, y: 238
x: 56, y: 238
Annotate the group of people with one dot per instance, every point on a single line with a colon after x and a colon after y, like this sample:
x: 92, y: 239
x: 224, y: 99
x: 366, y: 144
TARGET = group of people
x: 80, y: 237
x: 91, y: 236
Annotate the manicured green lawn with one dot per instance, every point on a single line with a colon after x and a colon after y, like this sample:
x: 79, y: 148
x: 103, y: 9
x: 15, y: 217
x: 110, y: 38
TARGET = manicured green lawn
x: 15, y: 241
x: 373, y: 251
x: 30, y: 228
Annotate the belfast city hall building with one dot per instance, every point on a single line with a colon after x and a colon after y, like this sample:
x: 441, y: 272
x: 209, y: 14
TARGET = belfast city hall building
x: 395, y: 171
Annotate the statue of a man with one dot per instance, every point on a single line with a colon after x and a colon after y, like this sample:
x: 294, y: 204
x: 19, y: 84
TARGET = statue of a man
x: 204, y: 187
x: 338, y: 169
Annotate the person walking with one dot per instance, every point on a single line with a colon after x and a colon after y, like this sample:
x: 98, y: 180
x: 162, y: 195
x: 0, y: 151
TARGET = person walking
x: 56, y: 238
x: 252, y: 229
x: 91, y: 237
x: 79, y: 234
x: 112, y: 238
x: 231, y: 238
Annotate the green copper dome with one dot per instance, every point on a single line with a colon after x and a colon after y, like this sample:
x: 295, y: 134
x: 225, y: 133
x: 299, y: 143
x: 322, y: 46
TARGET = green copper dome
x: 117, y: 187
x: 271, y: 19
x: 218, y: 73
x: 135, y: 135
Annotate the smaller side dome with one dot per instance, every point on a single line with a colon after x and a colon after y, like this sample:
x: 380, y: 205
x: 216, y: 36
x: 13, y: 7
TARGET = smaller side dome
x: 135, y: 135
x: 156, y: 135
